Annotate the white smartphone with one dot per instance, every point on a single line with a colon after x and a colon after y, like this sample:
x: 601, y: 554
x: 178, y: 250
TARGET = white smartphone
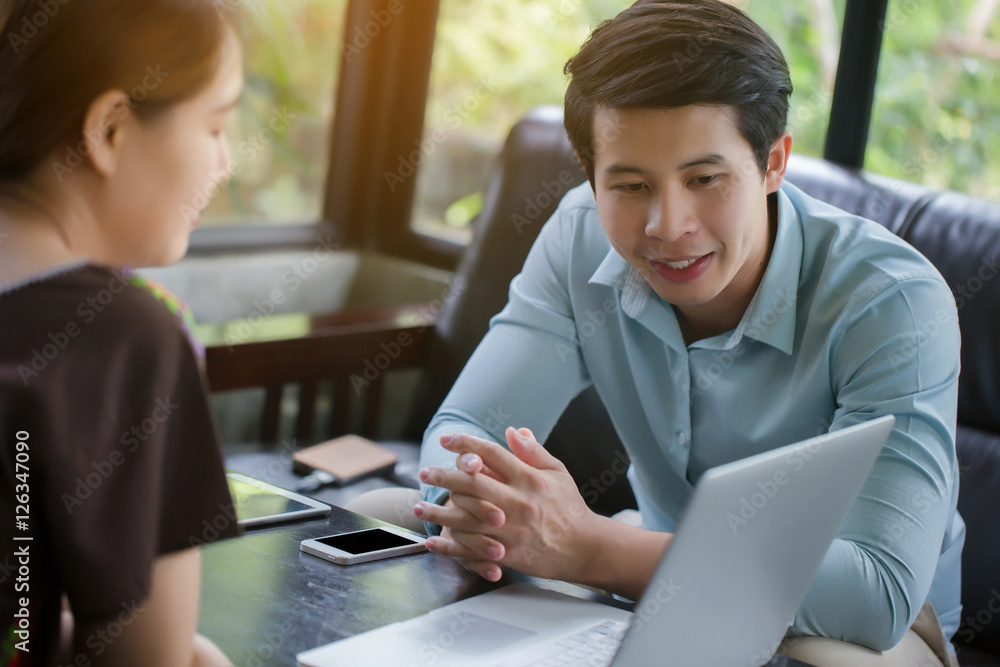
x: 361, y: 546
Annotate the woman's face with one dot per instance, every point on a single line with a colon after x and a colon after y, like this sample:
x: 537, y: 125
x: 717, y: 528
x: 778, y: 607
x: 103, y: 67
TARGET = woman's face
x: 168, y: 169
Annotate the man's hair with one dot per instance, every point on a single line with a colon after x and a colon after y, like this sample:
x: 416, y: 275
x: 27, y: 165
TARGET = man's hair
x: 665, y: 54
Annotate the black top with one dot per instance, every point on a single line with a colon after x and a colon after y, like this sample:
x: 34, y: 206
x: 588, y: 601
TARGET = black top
x: 108, y: 454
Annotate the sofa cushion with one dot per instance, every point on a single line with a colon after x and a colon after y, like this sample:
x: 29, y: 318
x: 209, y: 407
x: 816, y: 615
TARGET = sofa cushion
x: 970, y: 657
x: 889, y: 202
x: 978, y: 500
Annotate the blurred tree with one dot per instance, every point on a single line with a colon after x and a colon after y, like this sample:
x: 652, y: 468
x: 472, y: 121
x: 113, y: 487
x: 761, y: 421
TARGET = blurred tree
x: 279, y: 137
x: 937, y: 110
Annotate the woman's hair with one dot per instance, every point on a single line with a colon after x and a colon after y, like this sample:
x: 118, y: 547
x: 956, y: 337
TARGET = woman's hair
x: 58, y: 56
x: 664, y: 54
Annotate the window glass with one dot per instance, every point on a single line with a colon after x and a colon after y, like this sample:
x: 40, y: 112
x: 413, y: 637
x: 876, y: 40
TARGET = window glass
x: 809, y: 36
x: 279, y: 133
x: 936, y: 119
x: 494, y: 60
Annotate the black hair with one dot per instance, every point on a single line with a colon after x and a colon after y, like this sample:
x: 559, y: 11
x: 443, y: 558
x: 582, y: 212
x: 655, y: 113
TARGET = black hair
x: 665, y: 54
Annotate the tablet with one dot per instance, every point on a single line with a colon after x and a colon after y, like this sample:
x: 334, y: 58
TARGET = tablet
x: 261, y: 504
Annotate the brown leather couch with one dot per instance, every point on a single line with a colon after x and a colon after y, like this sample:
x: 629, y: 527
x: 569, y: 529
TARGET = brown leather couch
x: 958, y: 233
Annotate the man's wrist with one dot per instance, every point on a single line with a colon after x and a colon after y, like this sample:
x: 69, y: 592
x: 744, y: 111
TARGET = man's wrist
x: 594, y: 552
x: 619, y: 558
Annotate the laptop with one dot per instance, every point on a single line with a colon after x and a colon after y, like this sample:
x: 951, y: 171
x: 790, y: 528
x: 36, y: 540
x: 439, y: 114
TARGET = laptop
x: 744, y: 555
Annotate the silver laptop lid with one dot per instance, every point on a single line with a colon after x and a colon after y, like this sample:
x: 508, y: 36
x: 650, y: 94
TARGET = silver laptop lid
x: 747, y: 549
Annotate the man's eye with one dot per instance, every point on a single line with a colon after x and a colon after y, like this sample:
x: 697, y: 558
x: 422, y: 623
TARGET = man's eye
x: 706, y: 180
x: 632, y: 187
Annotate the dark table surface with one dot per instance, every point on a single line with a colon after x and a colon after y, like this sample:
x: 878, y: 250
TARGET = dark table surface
x: 263, y: 601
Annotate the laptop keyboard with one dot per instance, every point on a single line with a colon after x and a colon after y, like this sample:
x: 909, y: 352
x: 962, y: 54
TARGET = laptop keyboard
x: 593, y: 647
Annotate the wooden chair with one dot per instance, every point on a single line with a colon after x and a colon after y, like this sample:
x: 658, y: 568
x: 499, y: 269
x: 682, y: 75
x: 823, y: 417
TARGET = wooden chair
x: 338, y: 346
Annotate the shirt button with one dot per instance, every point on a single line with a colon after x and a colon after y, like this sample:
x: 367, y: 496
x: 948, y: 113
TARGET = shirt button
x: 681, y: 437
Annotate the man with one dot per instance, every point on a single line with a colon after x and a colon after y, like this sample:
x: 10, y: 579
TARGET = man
x: 746, y: 316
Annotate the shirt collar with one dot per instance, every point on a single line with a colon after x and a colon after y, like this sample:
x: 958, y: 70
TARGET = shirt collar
x: 771, y: 316
x: 615, y: 272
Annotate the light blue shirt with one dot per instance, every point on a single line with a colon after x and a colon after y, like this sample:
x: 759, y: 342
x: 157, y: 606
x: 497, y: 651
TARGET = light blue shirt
x: 849, y: 323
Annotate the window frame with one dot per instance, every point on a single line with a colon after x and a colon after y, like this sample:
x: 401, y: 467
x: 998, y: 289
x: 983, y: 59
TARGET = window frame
x: 854, y: 86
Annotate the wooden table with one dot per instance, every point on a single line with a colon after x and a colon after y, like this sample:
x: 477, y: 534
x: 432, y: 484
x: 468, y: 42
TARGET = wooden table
x: 263, y: 601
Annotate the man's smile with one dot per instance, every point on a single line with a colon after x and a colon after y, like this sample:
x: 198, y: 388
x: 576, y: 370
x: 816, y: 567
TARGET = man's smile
x: 682, y: 270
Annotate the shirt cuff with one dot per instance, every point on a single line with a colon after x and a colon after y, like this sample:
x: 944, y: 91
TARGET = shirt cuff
x: 437, y: 496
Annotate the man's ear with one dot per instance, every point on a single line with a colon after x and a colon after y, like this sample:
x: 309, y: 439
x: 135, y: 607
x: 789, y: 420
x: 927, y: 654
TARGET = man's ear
x: 777, y: 161
x: 104, y: 130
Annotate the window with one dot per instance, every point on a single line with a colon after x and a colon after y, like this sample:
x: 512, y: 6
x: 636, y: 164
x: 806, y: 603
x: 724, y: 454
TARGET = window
x: 809, y: 36
x: 279, y: 134
x: 936, y: 119
x: 496, y: 59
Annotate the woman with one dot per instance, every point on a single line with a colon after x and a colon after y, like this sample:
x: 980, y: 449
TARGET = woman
x: 112, y: 115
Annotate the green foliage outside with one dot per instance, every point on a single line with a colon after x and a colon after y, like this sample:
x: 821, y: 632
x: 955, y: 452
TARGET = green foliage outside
x: 279, y: 137
x: 524, y: 44
x: 937, y: 110
x: 936, y: 120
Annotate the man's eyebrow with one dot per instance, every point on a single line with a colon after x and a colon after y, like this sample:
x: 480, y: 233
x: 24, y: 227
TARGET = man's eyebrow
x: 713, y: 158
x: 623, y: 169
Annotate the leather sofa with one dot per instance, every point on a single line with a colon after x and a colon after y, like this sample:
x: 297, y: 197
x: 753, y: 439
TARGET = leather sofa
x: 958, y: 233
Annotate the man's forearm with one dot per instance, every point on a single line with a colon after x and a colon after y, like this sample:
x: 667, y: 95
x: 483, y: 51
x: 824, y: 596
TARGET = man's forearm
x: 620, y: 558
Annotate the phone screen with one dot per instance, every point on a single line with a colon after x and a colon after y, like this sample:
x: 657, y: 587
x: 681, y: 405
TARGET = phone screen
x: 365, y: 541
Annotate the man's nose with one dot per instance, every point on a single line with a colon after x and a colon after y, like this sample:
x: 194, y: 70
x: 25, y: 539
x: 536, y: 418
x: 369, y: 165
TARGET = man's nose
x: 671, y: 217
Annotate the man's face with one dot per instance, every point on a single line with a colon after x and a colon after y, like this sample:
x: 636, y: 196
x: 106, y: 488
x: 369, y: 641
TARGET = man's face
x: 683, y: 201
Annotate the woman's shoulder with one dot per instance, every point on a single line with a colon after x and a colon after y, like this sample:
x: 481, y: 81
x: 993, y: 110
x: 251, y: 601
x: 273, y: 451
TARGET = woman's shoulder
x: 108, y: 300
x: 88, y: 317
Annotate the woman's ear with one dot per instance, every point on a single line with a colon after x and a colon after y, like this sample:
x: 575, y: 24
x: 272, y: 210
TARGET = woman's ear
x: 777, y: 161
x: 104, y: 130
